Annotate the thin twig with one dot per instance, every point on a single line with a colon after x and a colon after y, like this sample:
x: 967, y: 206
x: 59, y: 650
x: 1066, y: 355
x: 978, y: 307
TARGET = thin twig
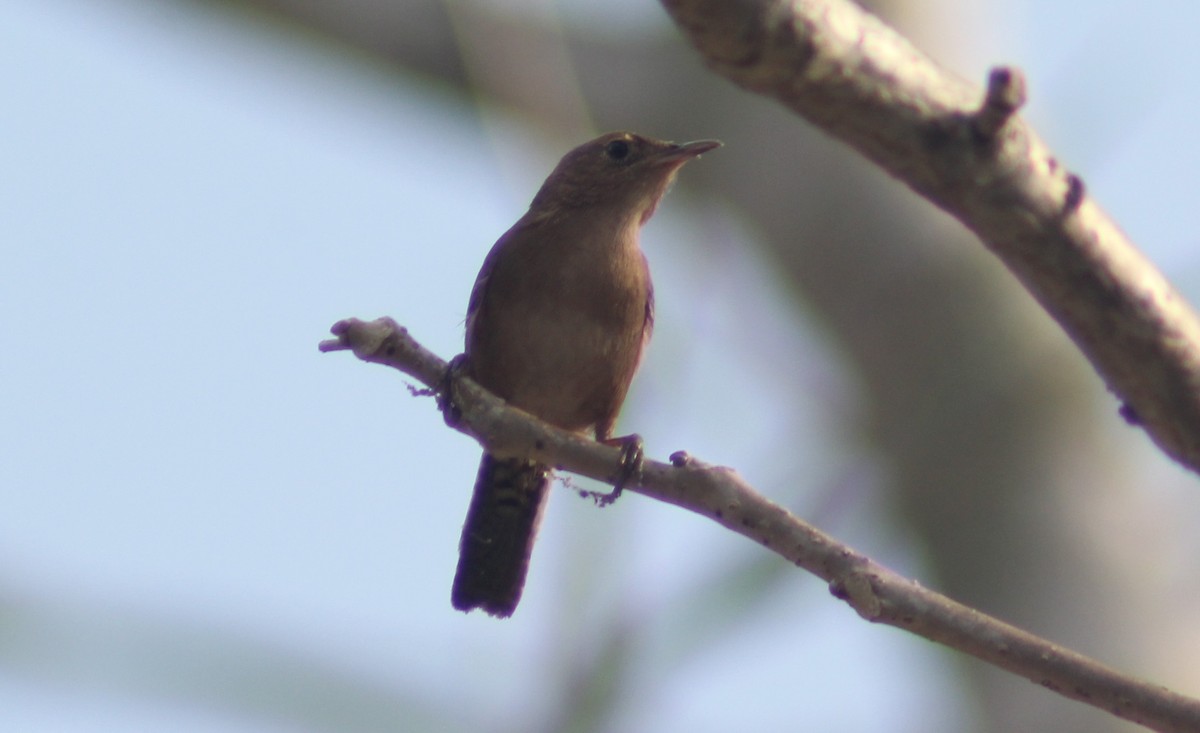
x: 967, y: 151
x: 876, y: 593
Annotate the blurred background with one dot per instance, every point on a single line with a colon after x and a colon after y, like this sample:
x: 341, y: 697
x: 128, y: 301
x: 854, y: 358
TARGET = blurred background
x: 205, y: 525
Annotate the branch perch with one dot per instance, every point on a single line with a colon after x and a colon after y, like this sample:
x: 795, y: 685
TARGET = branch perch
x: 967, y: 151
x: 876, y: 593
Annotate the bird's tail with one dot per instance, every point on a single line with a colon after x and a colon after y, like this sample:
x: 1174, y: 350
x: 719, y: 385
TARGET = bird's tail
x: 497, y: 538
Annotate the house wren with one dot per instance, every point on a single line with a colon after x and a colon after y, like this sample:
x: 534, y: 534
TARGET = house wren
x: 556, y: 324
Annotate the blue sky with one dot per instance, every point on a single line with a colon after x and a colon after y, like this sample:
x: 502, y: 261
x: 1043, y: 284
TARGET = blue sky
x: 191, y: 200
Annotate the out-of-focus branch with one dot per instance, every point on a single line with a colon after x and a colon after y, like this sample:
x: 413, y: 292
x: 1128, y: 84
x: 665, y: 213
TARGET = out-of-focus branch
x: 876, y: 593
x: 966, y: 151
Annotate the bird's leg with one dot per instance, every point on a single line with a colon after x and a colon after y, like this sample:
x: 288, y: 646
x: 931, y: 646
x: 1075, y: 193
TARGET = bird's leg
x: 445, y: 391
x: 632, y: 453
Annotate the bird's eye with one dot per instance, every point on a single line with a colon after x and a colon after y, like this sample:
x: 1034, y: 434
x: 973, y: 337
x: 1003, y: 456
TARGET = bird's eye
x: 617, y: 149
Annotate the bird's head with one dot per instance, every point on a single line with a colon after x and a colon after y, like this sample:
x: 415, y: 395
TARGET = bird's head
x: 620, y: 170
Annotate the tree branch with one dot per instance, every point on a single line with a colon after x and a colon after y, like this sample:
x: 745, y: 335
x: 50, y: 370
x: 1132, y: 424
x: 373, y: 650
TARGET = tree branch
x: 845, y: 71
x: 876, y: 593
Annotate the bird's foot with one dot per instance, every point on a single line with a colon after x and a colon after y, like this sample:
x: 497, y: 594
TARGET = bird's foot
x: 445, y: 391
x: 632, y: 454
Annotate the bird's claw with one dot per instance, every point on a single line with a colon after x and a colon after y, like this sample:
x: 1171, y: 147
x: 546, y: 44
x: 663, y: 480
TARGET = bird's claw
x: 632, y: 455
x: 445, y: 391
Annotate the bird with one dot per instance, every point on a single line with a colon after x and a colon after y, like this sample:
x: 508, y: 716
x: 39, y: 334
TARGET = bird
x: 557, y: 321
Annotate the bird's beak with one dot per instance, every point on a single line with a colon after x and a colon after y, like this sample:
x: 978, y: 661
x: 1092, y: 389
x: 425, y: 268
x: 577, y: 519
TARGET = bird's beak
x: 683, y: 151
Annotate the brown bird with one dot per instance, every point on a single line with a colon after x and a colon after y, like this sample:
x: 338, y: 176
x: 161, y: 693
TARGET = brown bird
x: 556, y: 324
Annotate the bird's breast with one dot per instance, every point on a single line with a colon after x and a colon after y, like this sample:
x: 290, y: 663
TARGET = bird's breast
x: 559, y: 332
